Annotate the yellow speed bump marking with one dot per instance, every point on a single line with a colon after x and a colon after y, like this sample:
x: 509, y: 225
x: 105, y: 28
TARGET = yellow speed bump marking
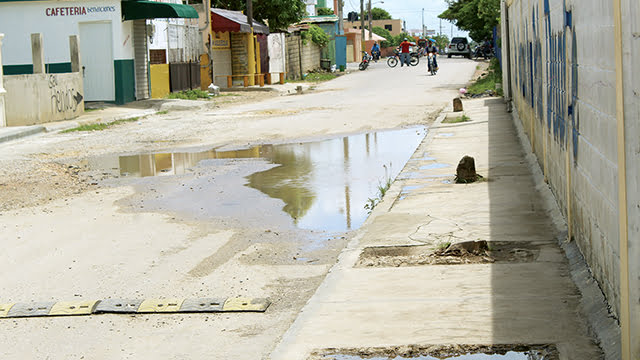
x: 160, y: 305
x: 246, y: 304
x: 4, y: 309
x: 74, y: 307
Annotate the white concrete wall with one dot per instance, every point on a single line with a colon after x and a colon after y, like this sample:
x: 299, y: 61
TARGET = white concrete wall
x: 277, y: 53
x: 563, y: 87
x: 40, y: 98
x: 2, y: 90
x: 39, y: 17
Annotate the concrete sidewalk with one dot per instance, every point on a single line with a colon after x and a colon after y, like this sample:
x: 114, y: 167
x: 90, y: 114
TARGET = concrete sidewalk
x: 529, y: 298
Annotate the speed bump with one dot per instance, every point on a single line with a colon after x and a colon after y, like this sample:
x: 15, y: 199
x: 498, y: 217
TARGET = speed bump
x: 160, y: 305
x: 121, y: 306
x: 246, y: 304
x: 73, y: 308
x: 203, y: 305
x: 30, y: 309
x: 4, y: 309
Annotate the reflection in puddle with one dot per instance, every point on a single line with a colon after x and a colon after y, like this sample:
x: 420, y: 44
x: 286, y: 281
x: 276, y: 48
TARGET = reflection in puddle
x: 324, y: 185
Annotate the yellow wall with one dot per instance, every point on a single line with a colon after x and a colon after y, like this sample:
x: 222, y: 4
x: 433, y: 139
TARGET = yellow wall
x: 160, y: 86
x: 205, y: 72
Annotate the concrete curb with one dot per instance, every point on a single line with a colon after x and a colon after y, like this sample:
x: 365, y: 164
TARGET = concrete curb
x: 8, y: 134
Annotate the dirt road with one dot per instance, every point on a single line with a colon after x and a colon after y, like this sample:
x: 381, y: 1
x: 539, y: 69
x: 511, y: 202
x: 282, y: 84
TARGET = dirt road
x: 76, y: 232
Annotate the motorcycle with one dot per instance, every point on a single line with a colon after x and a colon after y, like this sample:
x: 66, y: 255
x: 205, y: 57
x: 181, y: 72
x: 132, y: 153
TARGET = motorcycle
x: 375, y: 55
x: 394, y: 59
x: 483, y: 51
x: 366, y: 59
x: 430, y: 64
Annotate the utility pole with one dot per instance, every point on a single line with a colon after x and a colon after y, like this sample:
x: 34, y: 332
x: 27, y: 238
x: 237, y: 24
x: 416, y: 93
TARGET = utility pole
x: 362, y: 24
x: 440, y: 27
x: 423, y: 35
x: 340, y: 18
x: 370, y: 28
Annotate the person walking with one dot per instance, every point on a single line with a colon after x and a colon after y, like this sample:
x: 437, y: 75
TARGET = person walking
x: 405, y: 58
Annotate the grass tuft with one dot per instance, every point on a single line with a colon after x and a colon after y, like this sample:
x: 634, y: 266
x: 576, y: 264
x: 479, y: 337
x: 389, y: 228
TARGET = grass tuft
x: 99, y: 126
x: 488, y: 82
x: 459, y: 119
x: 189, y: 95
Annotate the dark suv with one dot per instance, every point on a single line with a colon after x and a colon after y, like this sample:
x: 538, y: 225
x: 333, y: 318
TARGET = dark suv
x: 459, y: 46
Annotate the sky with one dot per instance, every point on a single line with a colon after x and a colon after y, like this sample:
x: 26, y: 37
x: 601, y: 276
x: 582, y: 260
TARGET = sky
x: 411, y: 12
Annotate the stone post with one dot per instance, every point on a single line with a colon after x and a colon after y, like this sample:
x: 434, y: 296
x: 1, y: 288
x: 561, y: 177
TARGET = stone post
x: 74, y: 52
x: 3, y: 121
x: 37, y: 53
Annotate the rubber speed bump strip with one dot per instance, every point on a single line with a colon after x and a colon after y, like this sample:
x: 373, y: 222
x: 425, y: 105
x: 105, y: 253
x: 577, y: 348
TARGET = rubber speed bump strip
x: 160, y: 306
x: 73, y: 308
x: 118, y: 306
x: 246, y: 304
x: 203, y: 305
x: 30, y: 309
x: 4, y: 309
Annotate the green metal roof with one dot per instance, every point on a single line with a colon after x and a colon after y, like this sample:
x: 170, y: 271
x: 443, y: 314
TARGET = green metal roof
x: 134, y: 10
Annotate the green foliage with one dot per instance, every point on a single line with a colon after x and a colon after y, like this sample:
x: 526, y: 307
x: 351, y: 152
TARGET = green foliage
x: 279, y: 14
x: 442, y: 41
x: 400, y: 38
x: 99, y: 126
x: 385, y: 34
x: 324, y: 11
x: 318, y: 36
x: 189, y: 95
x: 479, y: 17
x: 488, y: 82
x: 380, y: 14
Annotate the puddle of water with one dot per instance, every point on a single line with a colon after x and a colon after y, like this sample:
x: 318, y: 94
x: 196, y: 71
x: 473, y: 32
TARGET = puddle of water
x: 434, y: 166
x: 324, y: 184
x: 511, y: 355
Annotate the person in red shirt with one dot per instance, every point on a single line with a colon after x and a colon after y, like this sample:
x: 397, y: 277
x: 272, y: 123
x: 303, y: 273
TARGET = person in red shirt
x: 404, y: 52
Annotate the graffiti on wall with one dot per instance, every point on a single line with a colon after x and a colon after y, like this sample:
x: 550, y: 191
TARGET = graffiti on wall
x: 547, y: 66
x: 63, y: 98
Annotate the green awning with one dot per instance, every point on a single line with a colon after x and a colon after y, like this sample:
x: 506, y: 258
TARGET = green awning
x: 135, y: 10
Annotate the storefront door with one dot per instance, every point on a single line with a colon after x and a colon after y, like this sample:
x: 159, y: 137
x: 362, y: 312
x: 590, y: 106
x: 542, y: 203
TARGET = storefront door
x: 96, y: 56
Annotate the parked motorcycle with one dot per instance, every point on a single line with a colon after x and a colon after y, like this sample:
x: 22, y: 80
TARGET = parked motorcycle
x: 483, y: 51
x: 394, y: 59
x: 366, y: 59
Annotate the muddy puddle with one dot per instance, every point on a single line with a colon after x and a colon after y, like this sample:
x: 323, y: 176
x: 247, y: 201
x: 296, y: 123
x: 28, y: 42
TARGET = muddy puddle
x: 324, y: 185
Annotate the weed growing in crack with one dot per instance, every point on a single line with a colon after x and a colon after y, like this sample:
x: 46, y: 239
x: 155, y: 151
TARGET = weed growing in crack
x: 382, y: 189
x: 444, y: 245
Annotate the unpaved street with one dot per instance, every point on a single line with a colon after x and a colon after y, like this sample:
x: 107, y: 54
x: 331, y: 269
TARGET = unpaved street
x: 73, y: 228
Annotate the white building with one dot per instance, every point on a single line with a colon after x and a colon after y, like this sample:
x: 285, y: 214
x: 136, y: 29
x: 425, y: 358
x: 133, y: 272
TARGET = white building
x: 112, y: 34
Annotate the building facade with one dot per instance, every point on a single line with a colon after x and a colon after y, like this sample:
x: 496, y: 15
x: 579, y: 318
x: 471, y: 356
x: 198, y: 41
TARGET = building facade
x: 394, y: 26
x: 112, y: 35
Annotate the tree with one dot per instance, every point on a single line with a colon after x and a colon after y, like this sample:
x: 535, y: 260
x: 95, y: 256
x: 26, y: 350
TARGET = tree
x: 279, y: 14
x: 385, y: 34
x: 380, y: 14
x: 324, y: 11
x: 478, y: 17
x: 442, y: 41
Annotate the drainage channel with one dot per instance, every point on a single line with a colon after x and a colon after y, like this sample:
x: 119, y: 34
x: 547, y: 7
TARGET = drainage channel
x: 324, y: 185
x: 444, y: 352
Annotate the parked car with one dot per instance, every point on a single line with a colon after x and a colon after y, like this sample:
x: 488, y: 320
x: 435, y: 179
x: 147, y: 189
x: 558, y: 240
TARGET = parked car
x: 459, y: 46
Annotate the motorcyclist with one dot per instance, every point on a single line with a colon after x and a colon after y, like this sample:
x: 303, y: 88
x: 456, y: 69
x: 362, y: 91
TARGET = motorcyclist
x: 432, y: 48
x: 405, y: 57
x: 375, y: 51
